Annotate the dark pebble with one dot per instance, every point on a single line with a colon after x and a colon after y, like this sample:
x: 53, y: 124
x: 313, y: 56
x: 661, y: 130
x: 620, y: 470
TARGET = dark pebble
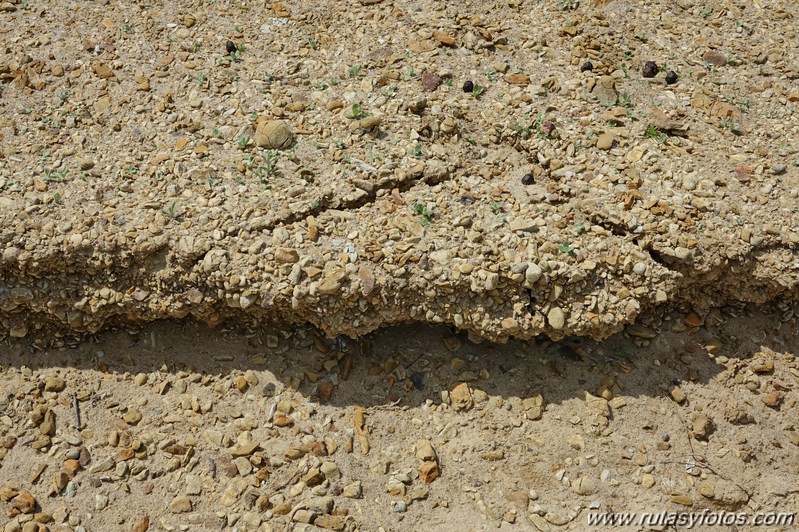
x: 671, y: 77
x: 230, y: 47
x: 417, y: 378
x: 650, y: 69
x: 468, y: 86
x: 588, y: 66
x: 528, y: 179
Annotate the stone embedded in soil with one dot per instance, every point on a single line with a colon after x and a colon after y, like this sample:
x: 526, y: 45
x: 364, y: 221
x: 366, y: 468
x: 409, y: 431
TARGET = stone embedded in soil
x: 274, y: 135
x: 461, y: 397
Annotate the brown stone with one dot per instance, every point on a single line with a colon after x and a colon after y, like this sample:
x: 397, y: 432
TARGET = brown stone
x: 461, y: 397
x: 24, y: 502
x: 428, y: 471
x: 444, y: 38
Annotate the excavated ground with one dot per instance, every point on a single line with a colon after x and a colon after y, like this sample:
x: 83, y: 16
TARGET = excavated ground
x: 333, y: 170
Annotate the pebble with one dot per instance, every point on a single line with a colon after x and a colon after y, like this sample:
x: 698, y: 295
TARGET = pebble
x: 650, y: 69
x: 274, y: 135
x: 556, y: 318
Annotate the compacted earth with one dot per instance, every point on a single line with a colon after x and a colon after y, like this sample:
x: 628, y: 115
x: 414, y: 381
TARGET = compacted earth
x: 177, y: 427
x: 397, y: 264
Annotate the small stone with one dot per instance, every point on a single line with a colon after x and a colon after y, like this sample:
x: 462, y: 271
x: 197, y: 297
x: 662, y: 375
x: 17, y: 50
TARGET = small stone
x: 330, y: 522
x: 140, y: 379
x: 274, y: 135
x: 24, y: 502
x: 100, y: 501
x: 60, y: 481
x: 773, y: 399
x: 431, y: 81
x: 132, y: 416
x: 443, y: 38
x: 588, y: 66
x: 684, y: 500
x: 180, y: 504
x: 54, y: 384
x: 714, y: 58
x: 533, y: 407
x: 584, y: 486
x: 461, y: 397
x: 778, y: 169
x: 399, y: 506
x: 605, y: 141
x: 141, y: 524
x: 702, y: 426
x: 428, y: 472
x: 353, y: 490
x: 671, y: 77
x: 528, y: 179
x: 556, y: 318
x: 517, y: 79
x: 468, y: 86
x: 677, y: 394
x: 395, y: 487
x: 230, y: 47
x: 647, y: 481
x: 424, y: 450
x: 692, y: 319
x: 419, y: 492
x: 650, y: 69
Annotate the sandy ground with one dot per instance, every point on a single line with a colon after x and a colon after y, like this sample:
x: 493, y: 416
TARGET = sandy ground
x: 199, y: 429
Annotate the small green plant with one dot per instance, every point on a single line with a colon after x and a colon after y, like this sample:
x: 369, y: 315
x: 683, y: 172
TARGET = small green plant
x: 315, y: 204
x: 496, y: 207
x: 169, y: 210
x: 567, y: 5
x: 24, y: 5
x: 356, y: 112
x: 416, y: 151
x: 580, y: 228
x: 491, y: 75
x: 729, y: 124
x: 63, y: 96
x: 642, y: 37
x: 265, y: 170
x: 624, y: 100
x: 478, y: 90
x: 566, y: 247
x: 216, y: 133
x: 235, y: 55
x: 353, y: 71
x: 197, y: 46
x: 320, y: 85
x: 339, y: 144
x: 522, y: 130
x: 652, y: 132
x: 312, y: 42
x: 705, y: 12
x: 125, y: 28
x: 243, y: 141
x: 201, y: 78
x: 423, y: 212
x: 448, y: 81
x: 51, y: 175
x: 390, y: 91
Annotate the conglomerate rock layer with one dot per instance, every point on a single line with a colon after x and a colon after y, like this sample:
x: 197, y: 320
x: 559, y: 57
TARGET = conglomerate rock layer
x: 334, y: 167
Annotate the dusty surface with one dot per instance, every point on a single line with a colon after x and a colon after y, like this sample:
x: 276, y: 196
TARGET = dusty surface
x: 357, y: 165
x: 332, y: 170
x: 186, y: 428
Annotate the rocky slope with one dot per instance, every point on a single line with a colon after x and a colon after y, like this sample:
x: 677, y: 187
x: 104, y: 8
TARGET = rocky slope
x: 512, y: 168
